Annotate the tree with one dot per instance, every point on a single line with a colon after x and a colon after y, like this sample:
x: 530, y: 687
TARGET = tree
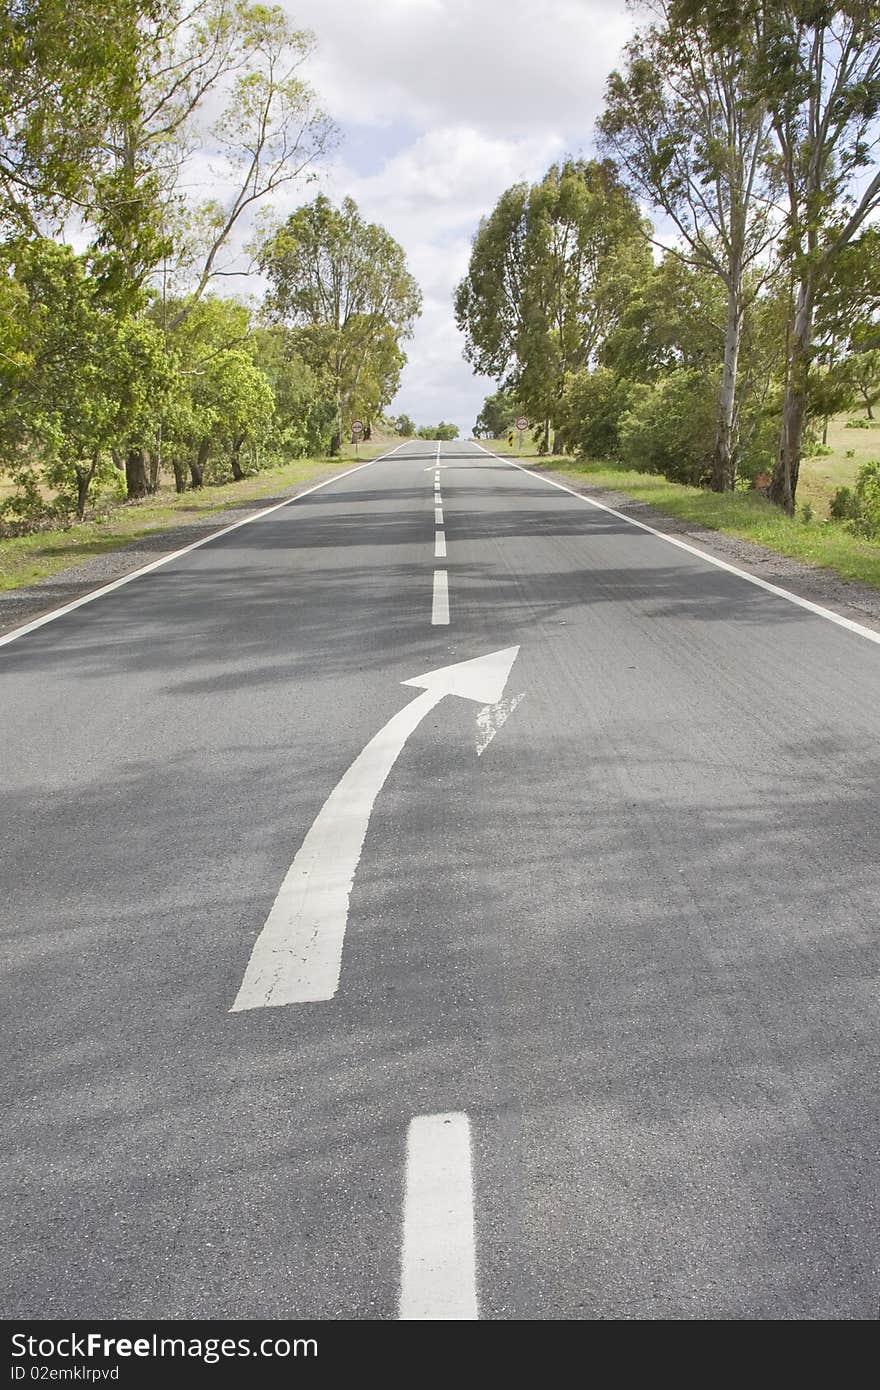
x: 498, y: 413
x: 821, y: 79
x: 549, y: 273
x: 845, y: 361
x: 90, y: 378
x: 442, y: 431
x: 687, y: 124
x: 237, y: 400
x: 343, y: 284
x: 404, y: 426
x: 304, y: 415
x: 241, y: 62
x: 67, y: 72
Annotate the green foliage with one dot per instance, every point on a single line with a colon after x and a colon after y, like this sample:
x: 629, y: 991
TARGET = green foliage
x: 593, y: 407
x: 551, y: 270
x: 441, y: 431
x: 859, y: 423
x: 866, y: 521
x: 404, y: 426
x: 669, y: 428
x: 498, y: 414
x: 843, y: 506
x: 342, y: 284
x: 93, y: 379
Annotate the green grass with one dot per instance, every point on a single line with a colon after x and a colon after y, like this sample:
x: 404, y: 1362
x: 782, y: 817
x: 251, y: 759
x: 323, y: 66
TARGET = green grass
x: 26, y: 559
x: 820, y: 477
x: 743, y: 514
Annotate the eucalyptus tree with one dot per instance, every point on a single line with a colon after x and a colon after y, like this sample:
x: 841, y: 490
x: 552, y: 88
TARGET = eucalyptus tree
x: 67, y: 72
x: 821, y: 79
x: 343, y: 284
x: 688, y: 124
x: 218, y: 88
x: 549, y: 274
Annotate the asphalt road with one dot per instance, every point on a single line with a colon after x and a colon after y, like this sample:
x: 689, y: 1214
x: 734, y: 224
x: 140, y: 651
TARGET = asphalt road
x: 634, y: 942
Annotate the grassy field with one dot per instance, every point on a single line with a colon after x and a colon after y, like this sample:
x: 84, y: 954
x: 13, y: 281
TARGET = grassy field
x: 747, y: 514
x: 25, y: 559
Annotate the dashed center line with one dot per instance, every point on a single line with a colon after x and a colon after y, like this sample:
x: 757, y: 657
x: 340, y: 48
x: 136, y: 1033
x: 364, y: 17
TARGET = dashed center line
x: 438, y: 516
x: 438, y: 1263
x: 440, y: 604
x: 440, y: 545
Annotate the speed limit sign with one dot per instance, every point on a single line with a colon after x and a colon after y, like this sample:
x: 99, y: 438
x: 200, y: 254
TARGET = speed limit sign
x: 357, y: 427
x: 522, y: 423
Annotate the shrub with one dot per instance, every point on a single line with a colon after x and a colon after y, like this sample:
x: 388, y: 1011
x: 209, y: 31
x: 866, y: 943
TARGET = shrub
x: 859, y: 507
x: 860, y: 423
x: 844, y: 506
x: 670, y: 428
x: 867, y: 523
x: 593, y: 407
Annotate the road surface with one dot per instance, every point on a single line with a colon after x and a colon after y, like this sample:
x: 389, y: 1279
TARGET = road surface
x: 601, y: 1039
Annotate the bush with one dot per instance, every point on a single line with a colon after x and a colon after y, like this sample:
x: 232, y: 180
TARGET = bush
x: 860, y: 423
x: 670, y: 428
x: 859, y: 508
x: 867, y: 522
x: 844, y: 506
x: 593, y: 407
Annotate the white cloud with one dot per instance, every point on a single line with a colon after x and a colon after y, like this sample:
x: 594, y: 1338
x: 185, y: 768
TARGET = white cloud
x: 512, y: 66
x: 447, y: 103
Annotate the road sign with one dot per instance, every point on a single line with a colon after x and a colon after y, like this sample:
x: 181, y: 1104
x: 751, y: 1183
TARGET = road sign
x: 522, y: 422
x: 357, y: 427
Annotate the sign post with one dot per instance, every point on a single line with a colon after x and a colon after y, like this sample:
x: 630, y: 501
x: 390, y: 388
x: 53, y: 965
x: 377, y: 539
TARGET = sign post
x: 522, y: 424
x: 357, y: 429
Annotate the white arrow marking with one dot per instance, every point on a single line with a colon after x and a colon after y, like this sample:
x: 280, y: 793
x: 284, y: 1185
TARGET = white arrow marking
x: 491, y: 717
x: 298, y: 955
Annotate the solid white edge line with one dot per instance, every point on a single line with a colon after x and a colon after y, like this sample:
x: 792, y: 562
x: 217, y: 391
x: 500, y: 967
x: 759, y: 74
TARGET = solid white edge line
x: 755, y: 579
x: 438, y: 1279
x: 184, y: 550
x: 440, y: 545
x: 440, y: 600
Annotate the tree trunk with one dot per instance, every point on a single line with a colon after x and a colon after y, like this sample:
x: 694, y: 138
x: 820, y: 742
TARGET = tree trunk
x: 237, y: 472
x: 136, y: 481
x: 825, y: 431
x: 83, y: 482
x: 557, y: 446
x: 154, y: 473
x: 783, y: 487
x: 197, y: 465
x: 545, y: 442
x: 335, y: 443
x: 179, y: 475
x: 724, y: 455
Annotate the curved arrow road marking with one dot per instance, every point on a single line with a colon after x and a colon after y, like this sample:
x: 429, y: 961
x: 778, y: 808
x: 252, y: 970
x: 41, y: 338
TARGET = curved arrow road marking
x: 298, y: 954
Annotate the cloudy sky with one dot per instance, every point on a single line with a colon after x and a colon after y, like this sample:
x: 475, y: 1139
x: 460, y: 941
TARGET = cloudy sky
x: 442, y: 104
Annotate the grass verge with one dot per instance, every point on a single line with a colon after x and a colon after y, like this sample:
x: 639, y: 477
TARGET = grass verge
x: 26, y: 559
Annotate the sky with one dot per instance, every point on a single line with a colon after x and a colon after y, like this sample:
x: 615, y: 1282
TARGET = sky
x: 441, y: 105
